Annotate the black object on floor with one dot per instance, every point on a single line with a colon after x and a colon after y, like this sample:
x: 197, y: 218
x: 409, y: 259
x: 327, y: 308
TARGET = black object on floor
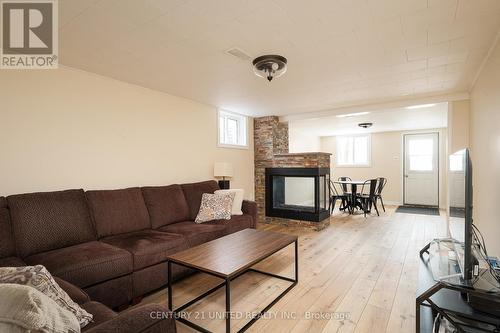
x: 418, y: 210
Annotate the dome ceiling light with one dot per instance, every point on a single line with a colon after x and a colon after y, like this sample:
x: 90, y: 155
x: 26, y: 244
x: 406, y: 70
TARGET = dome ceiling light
x: 269, y: 66
x: 365, y: 125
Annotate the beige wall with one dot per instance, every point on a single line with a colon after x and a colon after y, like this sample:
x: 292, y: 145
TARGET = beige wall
x: 302, y: 142
x: 66, y: 128
x: 387, y: 157
x: 458, y: 125
x: 485, y: 141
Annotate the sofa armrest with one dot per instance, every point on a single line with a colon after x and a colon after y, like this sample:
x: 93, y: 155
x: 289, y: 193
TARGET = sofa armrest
x: 148, y: 318
x: 76, y: 294
x: 250, y: 208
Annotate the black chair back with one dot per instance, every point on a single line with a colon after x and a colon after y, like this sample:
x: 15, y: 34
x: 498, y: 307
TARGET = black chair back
x: 344, y: 186
x: 334, y: 191
x: 381, y: 184
x: 369, y: 187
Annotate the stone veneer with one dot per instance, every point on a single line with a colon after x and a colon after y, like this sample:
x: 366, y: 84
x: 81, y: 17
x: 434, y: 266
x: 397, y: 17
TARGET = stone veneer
x: 271, y: 151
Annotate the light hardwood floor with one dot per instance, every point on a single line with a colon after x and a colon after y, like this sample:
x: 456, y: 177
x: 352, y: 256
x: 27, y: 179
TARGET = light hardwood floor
x: 357, y: 275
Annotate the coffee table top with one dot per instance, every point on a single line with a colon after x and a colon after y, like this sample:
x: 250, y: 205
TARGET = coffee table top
x: 229, y: 255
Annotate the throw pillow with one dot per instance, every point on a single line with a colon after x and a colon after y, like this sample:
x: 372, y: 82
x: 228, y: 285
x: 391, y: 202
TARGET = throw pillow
x: 215, y: 207
x: 237, y: 202
x: 25, y: 309
x: 39, y: 278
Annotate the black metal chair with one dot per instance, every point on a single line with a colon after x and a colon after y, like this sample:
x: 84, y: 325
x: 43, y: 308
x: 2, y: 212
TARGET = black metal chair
x: 380, y: 187
x: 335, y: 195
x: 367, y: 196
x: 344, y: 186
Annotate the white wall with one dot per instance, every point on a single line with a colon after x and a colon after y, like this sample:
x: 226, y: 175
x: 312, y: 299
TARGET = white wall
x: 387, y: 161
x: 66, y: 128
x: 485, y: 140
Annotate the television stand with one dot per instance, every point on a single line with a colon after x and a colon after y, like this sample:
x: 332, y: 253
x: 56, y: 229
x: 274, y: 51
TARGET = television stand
x: 442, y: 290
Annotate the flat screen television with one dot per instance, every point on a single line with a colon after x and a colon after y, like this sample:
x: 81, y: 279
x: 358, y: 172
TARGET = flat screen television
x: 460, y: 191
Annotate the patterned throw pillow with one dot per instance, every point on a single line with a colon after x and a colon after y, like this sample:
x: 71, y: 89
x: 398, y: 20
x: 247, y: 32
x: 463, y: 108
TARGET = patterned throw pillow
x: 39, y: 278
x: 215, y: 207
x: 237, y: 201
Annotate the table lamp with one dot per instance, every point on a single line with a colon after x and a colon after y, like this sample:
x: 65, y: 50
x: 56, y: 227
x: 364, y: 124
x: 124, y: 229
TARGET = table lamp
x: 223, y: 170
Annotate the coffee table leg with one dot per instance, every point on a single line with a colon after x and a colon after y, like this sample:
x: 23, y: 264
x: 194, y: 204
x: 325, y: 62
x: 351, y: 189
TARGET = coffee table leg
x: 228, y: 305
x: 170, y: 285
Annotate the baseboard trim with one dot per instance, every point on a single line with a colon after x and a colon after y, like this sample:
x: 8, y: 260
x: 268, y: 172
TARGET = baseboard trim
x: 392, y: 203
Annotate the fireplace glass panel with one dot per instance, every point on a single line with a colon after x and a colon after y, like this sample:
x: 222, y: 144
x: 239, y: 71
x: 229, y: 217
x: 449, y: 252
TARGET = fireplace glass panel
x: 294, y: 193
x: 322, y: 192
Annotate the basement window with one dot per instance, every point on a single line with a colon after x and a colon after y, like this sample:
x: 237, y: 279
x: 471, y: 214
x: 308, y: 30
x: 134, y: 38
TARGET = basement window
x: 354, y: 151
x: 232, y: 130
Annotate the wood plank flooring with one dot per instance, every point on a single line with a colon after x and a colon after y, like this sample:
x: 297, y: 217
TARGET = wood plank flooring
x: 358, y: 275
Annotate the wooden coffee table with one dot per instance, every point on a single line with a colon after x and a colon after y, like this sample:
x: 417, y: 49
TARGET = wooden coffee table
x: 228, y: 258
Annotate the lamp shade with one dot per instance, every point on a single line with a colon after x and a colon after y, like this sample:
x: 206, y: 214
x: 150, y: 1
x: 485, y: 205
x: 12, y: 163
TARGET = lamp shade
x: 223, y: 169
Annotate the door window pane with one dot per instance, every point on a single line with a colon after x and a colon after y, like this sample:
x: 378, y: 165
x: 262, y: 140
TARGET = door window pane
x: 421, y: 163
x: 421, y: 152
x: 421, y: 147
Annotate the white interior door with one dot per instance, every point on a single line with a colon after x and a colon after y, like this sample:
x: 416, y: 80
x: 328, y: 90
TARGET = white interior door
x: 421, y: 169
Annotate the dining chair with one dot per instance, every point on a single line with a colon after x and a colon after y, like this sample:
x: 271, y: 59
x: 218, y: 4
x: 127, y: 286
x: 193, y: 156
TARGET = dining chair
x: 367, y: 196
x: 344, y: 186
x: 337, y: 194
x: 380, y: 187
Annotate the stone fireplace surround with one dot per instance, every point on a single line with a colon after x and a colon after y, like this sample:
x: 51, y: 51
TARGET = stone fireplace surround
x: 271, y: 151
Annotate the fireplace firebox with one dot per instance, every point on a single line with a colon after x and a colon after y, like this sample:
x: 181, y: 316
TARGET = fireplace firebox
x: 298, y: 193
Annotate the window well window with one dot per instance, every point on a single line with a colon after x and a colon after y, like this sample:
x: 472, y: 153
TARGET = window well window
x: 354, y: 150
x: 232, y: 130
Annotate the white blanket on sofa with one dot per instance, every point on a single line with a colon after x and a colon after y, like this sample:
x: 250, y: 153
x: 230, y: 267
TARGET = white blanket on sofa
x: 25, y: 309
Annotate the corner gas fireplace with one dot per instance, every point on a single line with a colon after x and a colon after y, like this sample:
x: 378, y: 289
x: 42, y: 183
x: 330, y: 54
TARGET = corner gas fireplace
x: 298, y: 193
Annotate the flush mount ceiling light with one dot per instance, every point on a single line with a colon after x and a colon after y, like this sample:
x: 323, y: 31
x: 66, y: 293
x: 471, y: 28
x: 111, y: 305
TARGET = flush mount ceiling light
x: 420, y: 106
x: 365, y: 125
x: 269, y: 66
x: 348, y: 115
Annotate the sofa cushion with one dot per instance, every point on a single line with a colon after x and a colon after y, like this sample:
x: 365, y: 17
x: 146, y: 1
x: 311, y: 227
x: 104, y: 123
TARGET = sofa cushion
x: 118, y: 211
x: 148, y: 247
x: 112, y: 293
x: 193, y: 193
x: 7, y: 247
x: 100, y: 312
x: 147, y: 318
x: 166, y: 205
x: 195, y: 233
x: 85, y: 264
x: 11, y: 262
x: 62, y: 218
x: 235, y: 224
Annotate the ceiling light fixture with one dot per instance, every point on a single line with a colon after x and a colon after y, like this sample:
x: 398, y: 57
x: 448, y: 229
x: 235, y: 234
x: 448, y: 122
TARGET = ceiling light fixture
x: 347, y: 115
x: 269, y: 66
x: 365, y: 125
x: 420, y: 106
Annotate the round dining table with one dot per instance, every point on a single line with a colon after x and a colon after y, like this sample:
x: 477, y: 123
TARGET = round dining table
x: 352, y: 202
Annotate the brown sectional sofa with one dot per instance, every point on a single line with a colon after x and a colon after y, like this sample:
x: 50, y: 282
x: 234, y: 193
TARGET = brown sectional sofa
x: 111, y: 243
